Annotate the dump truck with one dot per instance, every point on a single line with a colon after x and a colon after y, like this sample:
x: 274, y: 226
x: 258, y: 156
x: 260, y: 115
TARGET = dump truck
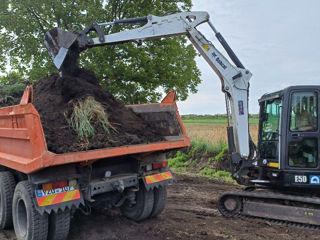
x: 40, y: 190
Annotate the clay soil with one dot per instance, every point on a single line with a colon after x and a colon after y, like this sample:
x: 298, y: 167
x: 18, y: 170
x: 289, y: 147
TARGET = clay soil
x: 191, y: 213
x: 54, y: 98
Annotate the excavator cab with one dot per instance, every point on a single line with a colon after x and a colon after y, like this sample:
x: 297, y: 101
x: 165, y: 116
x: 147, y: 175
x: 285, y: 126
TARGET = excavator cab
x: 286, y: 176
x: 288, y: 137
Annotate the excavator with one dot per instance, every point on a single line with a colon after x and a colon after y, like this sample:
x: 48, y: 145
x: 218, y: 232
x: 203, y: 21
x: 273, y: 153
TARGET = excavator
x: 281, y: 174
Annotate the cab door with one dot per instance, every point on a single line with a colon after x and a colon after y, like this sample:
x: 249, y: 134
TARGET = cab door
x: 270, y: 131
x: 303, y: 132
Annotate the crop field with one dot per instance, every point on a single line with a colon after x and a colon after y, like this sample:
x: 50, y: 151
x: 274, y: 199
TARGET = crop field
x: 213, y: 132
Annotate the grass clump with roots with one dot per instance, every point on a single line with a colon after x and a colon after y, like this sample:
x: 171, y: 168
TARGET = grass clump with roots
x: 86, y: 116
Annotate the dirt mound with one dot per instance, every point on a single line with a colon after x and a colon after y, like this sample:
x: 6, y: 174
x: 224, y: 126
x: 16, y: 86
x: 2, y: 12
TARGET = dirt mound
x: 52, y: 98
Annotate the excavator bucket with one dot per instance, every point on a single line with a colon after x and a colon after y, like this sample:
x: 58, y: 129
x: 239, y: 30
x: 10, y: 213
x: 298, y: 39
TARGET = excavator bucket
x: 58, y: 43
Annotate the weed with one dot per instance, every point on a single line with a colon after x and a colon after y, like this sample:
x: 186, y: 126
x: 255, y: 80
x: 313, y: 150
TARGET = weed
x: 207, y: 172
x: 87, y: 114
x: 179, y: 161
x: 212, y: 173
x: 210, y: 160
x: 221, y: 154
x: 224, y: 174
x: 207, y: 148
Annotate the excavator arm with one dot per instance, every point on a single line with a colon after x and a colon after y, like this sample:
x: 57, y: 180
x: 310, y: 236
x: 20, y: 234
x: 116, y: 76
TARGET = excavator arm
x: 64, y: 46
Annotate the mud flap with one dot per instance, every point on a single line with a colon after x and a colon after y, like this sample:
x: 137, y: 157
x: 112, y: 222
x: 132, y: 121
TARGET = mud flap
x: 56, y: 201
x: 159, y: 179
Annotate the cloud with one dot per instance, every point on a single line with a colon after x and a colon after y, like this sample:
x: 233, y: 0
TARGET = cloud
x: 278, y: 41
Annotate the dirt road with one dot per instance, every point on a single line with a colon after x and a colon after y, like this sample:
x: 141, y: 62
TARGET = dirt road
x: 191, y: 213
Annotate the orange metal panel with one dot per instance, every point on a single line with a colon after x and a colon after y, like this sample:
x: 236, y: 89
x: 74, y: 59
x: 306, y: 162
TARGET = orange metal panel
x: 170, y: 98
x: 14, y: 133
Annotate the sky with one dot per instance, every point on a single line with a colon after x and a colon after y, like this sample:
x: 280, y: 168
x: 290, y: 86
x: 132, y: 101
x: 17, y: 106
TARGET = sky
x: 277, y: 40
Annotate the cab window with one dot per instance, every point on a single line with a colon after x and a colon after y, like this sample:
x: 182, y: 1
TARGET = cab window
x: 304, y: 154
x: 270, y: 127
x: 271, y: 120
x: 304, y: 112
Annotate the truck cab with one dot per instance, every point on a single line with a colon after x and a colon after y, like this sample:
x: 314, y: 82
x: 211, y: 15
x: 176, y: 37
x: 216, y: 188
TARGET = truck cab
x: 288, y: 137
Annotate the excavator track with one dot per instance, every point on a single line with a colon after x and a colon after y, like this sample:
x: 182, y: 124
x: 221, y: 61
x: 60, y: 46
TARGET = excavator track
x: 285, y: 209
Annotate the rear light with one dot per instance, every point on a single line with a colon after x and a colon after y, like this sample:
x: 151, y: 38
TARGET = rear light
x: 50, y: 186
x: 160, y: 165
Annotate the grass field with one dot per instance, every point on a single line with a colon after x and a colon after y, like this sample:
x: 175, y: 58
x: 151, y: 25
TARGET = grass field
x: 213, y: 133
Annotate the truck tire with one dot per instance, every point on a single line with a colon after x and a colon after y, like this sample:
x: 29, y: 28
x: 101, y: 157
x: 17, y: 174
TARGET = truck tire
x: 59, y: 225
x: 28, y: 223
x: 143, y: 206
x: 160, y: 199
x: 7, y: 185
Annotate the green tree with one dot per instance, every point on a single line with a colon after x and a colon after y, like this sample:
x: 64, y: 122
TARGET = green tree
x: 134, y: 74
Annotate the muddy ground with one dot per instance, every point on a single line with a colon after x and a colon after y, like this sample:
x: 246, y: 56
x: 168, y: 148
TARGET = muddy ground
x: 191, y: 213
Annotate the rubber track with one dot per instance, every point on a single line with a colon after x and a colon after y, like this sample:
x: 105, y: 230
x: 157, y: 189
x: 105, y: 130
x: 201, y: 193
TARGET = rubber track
x: 225, y: 213
x: 281, y: 222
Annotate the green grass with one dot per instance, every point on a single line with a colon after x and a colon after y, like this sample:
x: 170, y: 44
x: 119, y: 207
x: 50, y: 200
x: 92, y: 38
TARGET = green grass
x: 179, y: 162
x: 220, y: 175
x: 207, y: 148
x: 199, y: 154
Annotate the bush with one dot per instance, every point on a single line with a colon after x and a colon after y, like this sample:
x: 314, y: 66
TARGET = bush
x: 15, y: 90
x: 11, y: 93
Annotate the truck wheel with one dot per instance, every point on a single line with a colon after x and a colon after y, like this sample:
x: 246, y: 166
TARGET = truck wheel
x: 143, y: 206
x: 59, y: 225
x: 160, y: 199
x: 7, y: 185
x: 27, y: 221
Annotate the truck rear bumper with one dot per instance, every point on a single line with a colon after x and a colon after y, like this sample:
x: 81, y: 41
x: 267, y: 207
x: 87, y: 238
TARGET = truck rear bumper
x: 118, y: 183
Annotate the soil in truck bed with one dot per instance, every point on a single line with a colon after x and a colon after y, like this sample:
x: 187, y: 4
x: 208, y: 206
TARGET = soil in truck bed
x: 53, y: 98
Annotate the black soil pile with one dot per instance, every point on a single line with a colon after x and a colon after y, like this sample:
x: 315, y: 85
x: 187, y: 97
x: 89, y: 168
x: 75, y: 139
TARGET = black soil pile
x: 52, y: 98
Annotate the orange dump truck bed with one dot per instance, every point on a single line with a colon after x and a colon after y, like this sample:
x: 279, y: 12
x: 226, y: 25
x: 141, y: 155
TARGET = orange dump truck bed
x: 23, y: 145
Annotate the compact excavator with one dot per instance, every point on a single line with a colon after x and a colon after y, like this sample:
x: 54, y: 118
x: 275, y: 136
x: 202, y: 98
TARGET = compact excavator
x: 281, y: 173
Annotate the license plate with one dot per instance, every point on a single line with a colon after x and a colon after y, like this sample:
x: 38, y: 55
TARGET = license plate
x: 55, y: 196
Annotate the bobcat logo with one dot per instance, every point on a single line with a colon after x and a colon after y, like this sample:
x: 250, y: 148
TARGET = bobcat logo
x: 314, y: 179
